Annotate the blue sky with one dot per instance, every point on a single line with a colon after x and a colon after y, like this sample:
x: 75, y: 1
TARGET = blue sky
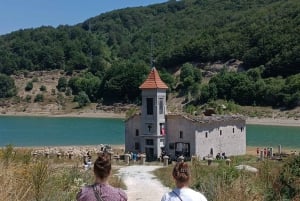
x: 22, y: 14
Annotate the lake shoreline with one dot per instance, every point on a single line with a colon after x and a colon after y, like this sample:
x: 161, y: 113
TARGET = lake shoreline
x: 273, y: 121
x: 80, y: 114
x: 119, y: 148
x: 111, y: 115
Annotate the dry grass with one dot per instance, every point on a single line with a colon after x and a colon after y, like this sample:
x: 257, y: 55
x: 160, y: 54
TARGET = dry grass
x: 24, y: 178
x: 220, y: 182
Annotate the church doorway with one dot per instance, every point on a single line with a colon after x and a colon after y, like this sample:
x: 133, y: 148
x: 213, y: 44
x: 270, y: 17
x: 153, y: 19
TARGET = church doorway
x: 149, y: 154
x: 182, y: 149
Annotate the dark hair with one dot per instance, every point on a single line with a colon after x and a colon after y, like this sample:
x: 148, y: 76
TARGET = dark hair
x: 102, y: 166
x: 181, y: 172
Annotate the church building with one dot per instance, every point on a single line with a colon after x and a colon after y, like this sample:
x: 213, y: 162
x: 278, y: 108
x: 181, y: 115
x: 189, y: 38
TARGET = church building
x: 154, y: 131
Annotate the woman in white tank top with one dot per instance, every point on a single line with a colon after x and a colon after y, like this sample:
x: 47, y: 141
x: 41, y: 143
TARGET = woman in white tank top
x: 182, y: 192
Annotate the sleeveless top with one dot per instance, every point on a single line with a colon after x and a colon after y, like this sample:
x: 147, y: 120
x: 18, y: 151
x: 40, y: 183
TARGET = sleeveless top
x: 108, y: 193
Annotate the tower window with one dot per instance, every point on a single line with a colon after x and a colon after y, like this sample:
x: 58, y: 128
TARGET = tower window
x: 220, y: 132
x: 181, y: 134
x: 161, y: 106
x: 137, y: 132
x: 232, y: 130
x: 149, y: 106
x: 206, y: 134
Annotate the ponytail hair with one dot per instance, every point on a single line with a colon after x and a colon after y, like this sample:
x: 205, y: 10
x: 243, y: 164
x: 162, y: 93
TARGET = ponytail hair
x: 181, y: 172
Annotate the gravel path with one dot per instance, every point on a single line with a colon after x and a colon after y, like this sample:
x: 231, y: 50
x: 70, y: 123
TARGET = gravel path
x: 141, y: 183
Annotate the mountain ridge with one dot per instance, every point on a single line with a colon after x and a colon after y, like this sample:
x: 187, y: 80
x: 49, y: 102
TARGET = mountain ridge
x: 113, y: 51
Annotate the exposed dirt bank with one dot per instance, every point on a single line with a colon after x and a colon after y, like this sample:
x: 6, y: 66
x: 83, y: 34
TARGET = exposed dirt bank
x: 274, y: 121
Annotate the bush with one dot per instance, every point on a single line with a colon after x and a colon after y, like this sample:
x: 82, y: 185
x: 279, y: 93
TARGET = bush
x: 286, y: 185
x: 43, y: 88
x: 35, y: 79
x: 29, y: 86
x: 28, y: 98
x: 39, y: 98
x: 82, y: 99
x: 62, y: 84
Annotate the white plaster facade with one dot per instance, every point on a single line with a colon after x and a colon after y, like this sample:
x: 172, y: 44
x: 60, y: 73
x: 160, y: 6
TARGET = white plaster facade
x: 207, y: 135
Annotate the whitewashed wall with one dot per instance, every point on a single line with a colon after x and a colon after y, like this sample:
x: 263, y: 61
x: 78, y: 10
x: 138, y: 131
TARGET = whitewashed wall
x: 232, y: 143
x: 195, y: 132
x: 130, y: 132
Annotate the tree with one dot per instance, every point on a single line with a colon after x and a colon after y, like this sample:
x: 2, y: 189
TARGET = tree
x: 86, y: 82
x: 7, y: 86
x: 122, y: 81
x: 82, y: 99
x: 62, y: 84
x: 187, y: 70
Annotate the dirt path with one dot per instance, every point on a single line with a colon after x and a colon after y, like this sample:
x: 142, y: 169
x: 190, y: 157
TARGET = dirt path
x: 141, y: 183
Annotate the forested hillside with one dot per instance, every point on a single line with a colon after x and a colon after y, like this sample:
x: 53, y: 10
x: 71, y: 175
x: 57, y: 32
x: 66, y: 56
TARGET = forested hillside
x: 114, y: 50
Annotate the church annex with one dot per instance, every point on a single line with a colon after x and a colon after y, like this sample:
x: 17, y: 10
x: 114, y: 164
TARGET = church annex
x: 154, y: 130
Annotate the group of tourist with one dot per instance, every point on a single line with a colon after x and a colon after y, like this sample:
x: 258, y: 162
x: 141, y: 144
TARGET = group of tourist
x: 102, y: 191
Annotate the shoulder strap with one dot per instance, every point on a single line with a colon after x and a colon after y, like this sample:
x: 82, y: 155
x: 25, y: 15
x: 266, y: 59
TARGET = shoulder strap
x: 177, y: 195
x: 98, y: 197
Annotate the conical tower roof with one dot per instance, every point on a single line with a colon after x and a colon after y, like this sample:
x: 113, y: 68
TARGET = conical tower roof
x: 153, y: 81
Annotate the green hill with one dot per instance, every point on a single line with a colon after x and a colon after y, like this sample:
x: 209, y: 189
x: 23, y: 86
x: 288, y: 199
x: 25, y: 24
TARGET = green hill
x: 116, y: 48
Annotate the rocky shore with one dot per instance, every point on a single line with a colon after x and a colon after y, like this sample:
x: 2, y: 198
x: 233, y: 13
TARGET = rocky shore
x: 72, y: 151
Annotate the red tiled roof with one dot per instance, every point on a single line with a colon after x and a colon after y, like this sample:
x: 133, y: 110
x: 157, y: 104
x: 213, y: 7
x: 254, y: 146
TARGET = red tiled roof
x: 153, y: 81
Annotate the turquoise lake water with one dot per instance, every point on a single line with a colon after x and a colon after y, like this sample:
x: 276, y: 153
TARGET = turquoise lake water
x: 46, y: 131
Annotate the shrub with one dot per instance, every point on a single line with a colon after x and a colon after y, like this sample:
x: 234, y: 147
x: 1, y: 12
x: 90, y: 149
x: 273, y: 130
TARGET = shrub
x: 35, y: 79
x: 28, y: 98
x: 82, y: 99
x: 43, y: 88
x: 286, y: 185
x: 29, y: 86
x: 62, y: 84
x: 39, y: 98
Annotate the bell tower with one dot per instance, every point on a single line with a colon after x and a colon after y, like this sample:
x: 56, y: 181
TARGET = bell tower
x: 153, y: 113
